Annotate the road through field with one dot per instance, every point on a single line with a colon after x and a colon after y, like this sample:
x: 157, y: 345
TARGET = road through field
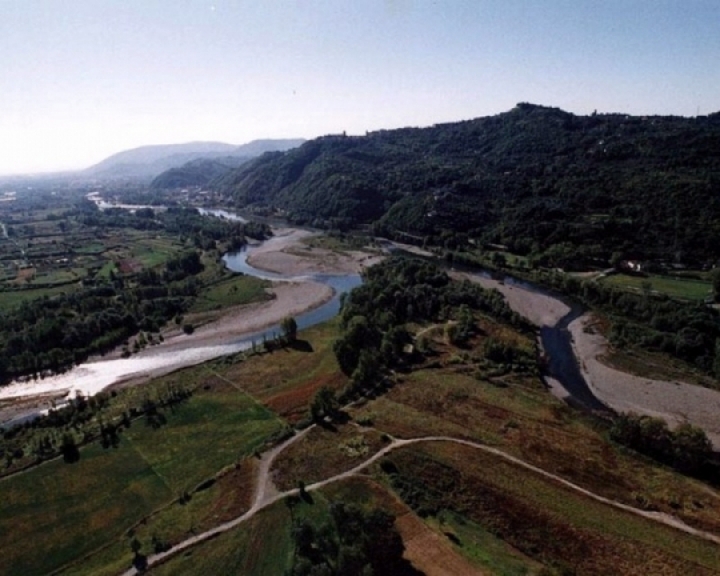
x: 266, y: 494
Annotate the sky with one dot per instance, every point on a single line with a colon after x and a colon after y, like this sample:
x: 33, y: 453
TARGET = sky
x: 83, y: 79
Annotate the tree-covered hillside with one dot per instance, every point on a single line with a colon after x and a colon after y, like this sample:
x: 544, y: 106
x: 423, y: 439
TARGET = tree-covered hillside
x: 538, y: 180
x: 197, y: 172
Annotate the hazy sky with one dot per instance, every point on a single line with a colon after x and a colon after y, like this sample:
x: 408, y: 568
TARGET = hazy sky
x: 83, y: 79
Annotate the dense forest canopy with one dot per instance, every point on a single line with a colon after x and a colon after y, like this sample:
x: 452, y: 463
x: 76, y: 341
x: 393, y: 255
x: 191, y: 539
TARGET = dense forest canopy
x: 536, y: 179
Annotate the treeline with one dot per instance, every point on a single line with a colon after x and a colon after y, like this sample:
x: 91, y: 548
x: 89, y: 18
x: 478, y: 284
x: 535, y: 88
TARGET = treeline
x: 398, y: 291
x: 83, y: 420
x: 687, y: 331
x: 543, y: 182
x: 51, y: 334
x: 204, y: 231
x: 686, y: 448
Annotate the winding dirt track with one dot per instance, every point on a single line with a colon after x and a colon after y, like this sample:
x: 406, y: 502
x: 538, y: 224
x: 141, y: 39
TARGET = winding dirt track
x: 266, y: 494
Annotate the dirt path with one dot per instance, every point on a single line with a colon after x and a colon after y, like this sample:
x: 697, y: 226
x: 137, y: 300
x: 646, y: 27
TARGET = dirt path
x: 266, y: 494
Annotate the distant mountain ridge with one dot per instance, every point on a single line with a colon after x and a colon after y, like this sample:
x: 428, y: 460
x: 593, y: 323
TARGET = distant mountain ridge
x: 150, y: 161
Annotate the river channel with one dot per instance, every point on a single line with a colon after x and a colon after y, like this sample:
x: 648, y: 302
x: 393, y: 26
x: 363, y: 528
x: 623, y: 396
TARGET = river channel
x: 91, y: 377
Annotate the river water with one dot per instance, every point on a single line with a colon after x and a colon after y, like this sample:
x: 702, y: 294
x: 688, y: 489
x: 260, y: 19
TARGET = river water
x: 91, y: 377
x: 556, y: 340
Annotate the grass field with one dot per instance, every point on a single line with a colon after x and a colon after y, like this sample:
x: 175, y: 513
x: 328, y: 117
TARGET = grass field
x: 260, y: 548
x: 58, y: 512
x: 502, y: 518
x: 684, y: 288
x: 324, y: 453
x: 481, y: 547
x: 526, y: 421
x: 224, y: 500
x: 452, y: 397
x: 91, y: 248
x: 153, y: 251
x: 11, y: 298
x: 233, y: 291
x: 217, y: 427
x: 73, y: 509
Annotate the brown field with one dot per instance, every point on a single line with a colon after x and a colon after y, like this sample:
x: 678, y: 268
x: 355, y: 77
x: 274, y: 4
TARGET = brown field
x: 546, y: 521
x: 524, y: 420
x: 451, y: 394
x: 286, y: 380
x: 24, y: 275
x: 426, y: 549
x: 323, y: 453
x: 429, y: 552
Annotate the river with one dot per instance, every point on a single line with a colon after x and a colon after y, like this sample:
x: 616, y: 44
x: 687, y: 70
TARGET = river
x: 91, y: 377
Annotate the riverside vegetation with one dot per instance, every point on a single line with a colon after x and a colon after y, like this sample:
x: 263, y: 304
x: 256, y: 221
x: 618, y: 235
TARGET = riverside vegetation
x: 447, y: 359
x: 80, y: 281
x: 534, y: 189
x: 429, y: 389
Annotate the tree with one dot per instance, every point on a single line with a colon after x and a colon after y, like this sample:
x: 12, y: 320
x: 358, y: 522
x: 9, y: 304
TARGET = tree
x: 716, y: 284
x: 289, y: 328
x: 360, y: 334
x: 324, y: 404
x: 69, y: 449
x: 367, y: 371
x: 691, y: 448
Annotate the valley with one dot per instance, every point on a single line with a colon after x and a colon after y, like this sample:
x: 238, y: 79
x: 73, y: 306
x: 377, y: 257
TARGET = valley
x: 236, y: 394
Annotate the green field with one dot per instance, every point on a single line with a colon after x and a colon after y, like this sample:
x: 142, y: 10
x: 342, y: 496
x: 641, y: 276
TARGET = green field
x: 233, y: 291
x: 68, y: 510
x: 481, y: 547
x: 92, y: 248
x: 12, y: 298
x: 262, y: 547
x: 74, y: 509
x: 684, y: 288
x: 152, y: 252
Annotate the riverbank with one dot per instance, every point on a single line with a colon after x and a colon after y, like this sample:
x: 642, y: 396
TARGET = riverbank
x: 216, y: 333
x: 540, y: 309
x: 290, y: 256
x: 675, y: 402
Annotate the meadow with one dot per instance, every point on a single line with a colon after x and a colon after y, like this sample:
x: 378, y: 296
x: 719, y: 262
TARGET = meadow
x: 77, y: 508
x: 673, y: 286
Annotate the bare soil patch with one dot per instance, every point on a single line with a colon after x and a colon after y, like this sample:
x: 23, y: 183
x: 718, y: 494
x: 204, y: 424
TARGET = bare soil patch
x: 429, y: 552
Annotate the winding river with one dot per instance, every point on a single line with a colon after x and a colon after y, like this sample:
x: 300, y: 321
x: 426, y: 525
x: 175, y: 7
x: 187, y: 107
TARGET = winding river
x: 91, y: 377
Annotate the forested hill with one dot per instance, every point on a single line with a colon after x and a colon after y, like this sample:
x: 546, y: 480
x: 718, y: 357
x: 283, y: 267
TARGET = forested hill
x: 197, y: 172
x: 537, y: 179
